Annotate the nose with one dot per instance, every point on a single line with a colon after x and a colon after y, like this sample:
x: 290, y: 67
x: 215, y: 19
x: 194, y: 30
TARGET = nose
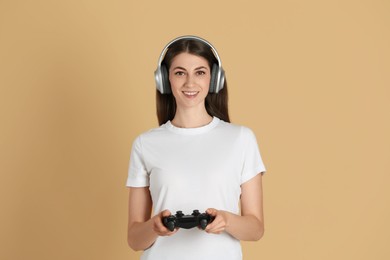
x: 190, y: 80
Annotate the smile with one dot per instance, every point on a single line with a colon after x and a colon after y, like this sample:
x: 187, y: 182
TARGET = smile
x: 190, y: 93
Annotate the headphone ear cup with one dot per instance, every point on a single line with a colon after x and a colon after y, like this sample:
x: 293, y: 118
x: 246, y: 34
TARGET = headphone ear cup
x: 221, y: 80
x: 214, y: 79
x: 166, y: 86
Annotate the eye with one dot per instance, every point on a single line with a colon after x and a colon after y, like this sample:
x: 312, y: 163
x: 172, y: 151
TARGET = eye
x: 201, y: 72
x: 179, y: 73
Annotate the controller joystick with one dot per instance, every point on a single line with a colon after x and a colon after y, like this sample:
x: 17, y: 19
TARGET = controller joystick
x: 179, y: 214
x: 196, y: 219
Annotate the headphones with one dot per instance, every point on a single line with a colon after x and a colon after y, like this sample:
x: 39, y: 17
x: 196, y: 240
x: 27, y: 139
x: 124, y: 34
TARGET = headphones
x: 162, y: 76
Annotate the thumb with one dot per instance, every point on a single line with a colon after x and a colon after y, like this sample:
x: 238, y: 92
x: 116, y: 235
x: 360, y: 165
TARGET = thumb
x: 165, y: 213
x: 212, y: 211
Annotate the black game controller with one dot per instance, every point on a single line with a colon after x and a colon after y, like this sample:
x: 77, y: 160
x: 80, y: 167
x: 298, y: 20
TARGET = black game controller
x: 180, y: 220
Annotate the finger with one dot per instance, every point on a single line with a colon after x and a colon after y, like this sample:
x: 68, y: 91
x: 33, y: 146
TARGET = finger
x: 161, y: 230
x: 158, y: 225
x: 165, y: 213
x: 167, y: 233
x: 212, y: 212
x: 216, y: 218
x: 216, y: 230
x: 216, y: 224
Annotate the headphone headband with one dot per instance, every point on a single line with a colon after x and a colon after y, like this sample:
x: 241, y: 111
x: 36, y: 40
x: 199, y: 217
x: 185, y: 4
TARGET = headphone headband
x: 188, y: 37
x: 161, y: 73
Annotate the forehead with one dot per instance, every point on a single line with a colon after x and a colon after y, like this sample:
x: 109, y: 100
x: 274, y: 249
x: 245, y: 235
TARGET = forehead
x: 188, y: 60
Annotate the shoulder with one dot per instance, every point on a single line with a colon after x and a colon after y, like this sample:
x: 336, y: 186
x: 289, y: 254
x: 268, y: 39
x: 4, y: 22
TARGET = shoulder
x: 151, y: 134
x: 241, y: 130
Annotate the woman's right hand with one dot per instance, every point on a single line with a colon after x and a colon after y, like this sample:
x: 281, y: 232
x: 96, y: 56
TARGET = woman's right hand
x: 158, y: 226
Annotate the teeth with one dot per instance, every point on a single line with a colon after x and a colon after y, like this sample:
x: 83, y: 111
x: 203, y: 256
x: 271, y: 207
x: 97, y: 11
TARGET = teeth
x: 190, y: 93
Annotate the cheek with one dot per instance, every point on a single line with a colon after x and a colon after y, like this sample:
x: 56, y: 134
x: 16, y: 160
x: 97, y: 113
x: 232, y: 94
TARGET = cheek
x: 174, y: 83
x: 175, y: 87
x: 206, y: 82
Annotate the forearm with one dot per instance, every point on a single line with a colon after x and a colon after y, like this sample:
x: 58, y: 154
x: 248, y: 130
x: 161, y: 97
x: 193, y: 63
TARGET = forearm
x: 141, y: 235
x: 247, y: 228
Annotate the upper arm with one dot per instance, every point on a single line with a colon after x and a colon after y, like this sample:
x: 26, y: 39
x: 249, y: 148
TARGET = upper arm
x: 252, y: 198
x: 140, y: 205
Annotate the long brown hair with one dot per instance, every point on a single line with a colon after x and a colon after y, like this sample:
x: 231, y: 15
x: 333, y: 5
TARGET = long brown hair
x: 216, y: 103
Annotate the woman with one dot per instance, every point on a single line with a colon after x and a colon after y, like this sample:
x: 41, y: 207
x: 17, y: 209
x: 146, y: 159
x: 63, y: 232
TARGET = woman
x: 196, y: 159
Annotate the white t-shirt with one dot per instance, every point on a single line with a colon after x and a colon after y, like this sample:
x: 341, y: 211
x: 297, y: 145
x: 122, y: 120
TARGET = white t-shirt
x: 195, y: 168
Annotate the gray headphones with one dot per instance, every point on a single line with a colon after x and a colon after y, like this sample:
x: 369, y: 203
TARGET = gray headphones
x: 162, y: 77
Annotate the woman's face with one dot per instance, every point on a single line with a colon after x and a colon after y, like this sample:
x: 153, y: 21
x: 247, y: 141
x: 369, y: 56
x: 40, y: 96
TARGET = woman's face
x: 189, y: 76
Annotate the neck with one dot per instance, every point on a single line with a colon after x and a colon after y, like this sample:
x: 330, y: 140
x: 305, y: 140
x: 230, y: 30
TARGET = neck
x: 190, y: 119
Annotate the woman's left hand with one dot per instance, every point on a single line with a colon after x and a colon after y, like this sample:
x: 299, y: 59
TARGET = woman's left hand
x: 219, y: 223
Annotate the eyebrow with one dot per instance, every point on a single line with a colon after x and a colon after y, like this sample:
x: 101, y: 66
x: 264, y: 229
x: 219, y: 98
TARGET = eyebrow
x: 201, y: 67
x: 198, y: 68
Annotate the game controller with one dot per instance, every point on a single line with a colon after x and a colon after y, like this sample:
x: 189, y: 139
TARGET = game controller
x: 180, y: 220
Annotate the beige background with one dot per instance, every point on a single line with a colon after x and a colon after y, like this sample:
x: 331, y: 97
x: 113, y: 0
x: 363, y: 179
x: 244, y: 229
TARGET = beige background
x: 311, y: 78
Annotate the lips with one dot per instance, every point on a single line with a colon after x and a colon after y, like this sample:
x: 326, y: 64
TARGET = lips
x: 190, y: 93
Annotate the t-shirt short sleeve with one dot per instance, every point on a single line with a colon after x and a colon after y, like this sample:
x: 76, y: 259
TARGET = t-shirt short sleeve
x: 137, y: 175
x: 253, y: 163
